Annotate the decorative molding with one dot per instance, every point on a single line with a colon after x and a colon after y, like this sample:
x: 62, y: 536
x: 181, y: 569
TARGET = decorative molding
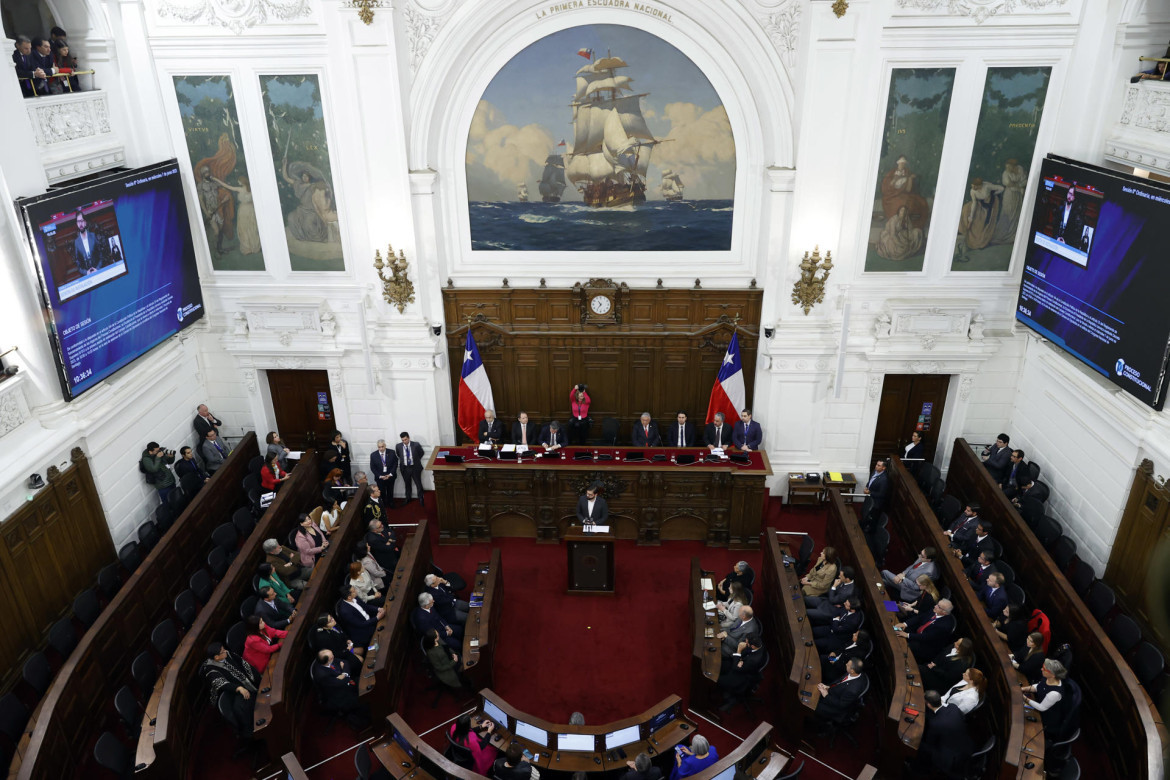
x: 336, y: 383
x: 783, y: 29
x: 1141, y: 137
x: 966, y: 382
x: 236, y: 15
x: 875, y: 386
x: 13, y: 410
x: 1146, y: 108
x: 421, y: 30
x: 250, y: 381
x: 925, y: 367
x: 982, y: 10
x: 74, y: 135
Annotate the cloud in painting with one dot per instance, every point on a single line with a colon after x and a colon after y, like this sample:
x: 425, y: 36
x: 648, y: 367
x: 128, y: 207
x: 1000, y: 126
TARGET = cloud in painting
x: 700, y: 148
x: 501, y: 155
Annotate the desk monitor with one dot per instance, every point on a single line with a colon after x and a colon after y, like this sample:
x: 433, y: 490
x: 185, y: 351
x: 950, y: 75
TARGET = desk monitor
x: 751, y: 756
x: 726, y: 774
x: 662, y: 718
x: 586, y: 743
x: 404, y: 743
x: 531, y: 733
x: 622, y: 737
x: 495, y: 714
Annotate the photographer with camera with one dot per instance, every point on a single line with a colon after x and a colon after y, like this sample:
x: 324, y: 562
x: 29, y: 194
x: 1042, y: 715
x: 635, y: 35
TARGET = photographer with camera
x: 579, y: 422
x: 154, y: 465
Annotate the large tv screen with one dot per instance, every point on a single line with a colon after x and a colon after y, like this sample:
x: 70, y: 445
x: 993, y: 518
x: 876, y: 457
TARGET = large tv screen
x: 1096, y: 272
x: 117, y: 269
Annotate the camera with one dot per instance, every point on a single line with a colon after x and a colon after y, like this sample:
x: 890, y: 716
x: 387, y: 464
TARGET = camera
x: 582, y: 387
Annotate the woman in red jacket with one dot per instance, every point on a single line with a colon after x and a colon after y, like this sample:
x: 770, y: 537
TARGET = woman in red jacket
x: 270, y: 473
x: 579, y: 424
x: 262, y: 641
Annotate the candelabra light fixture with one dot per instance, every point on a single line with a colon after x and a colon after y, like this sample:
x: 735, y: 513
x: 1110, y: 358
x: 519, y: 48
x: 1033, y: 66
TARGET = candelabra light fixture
x: 398, y: 290
x: 808, y: 289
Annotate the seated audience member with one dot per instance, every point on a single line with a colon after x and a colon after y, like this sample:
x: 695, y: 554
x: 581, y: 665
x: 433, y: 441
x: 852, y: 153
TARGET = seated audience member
x: 747, y: 433
x: 363, y: 583
x: 334, y: 484
x: 833, y: 664
x: 426, y: 618
x: 154, y: 464
x: 512, y: 765
x: 982, y: 542
x: 277, y: 612
x: 592, y: 508
x: 680, y: 433
x: 311, y: 543
x: 904, y: 586
x: 947, y: 668
x: 579, y: 419
x: 645, y: 433
x: 822, y: 609
x: 274, y: 446
x: 977, y: 572
x: 641, y: 768
x: 820, y: 578
x: 741, y: 671
x: 450, y: 608
x: 491, y: 430
x: 745, y: 628
x: 327, y: 636
x: 840, y: 698
x: 717, y: 434
x: 1012, y: 626
x: 997, y: 456
x: 552, y: 438
x: 186, y: 464
x: 946, y: 746
x: 270, y: 579
x: 205, y: 421
x: 838, y: 633
x: 525, y: 433
x: 213, y: 451
x: 343, y: 462
x: 329, y: 517
x: 333, y: 676
x: 271, y: 474
x: 383, y: 546
x: 356, y: 620
x: 915, y: 613
x: 28, y: 69
x: 934, y: 634
x: 689, y: 761
x: 363, y: 554
x: 729, y: 609
x: 741, y: 573
x: 373, y: 508
x: 477, y: 739
x: 443, y: 660
x: 1057, y: 699
x: 962, y: 529
x: 287, y: 563
x: 42, y: 53
x: 1029, y: 488
x: 993, y: 596
x: 261, y: 642
x: 1016, y: 475
x: 225, y: 672
x: 968, y: 693
x: 1030, y: 662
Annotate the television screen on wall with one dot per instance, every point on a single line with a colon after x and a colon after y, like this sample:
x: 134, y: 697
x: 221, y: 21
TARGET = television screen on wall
x: 117, y: 269
x: 1096, y: 273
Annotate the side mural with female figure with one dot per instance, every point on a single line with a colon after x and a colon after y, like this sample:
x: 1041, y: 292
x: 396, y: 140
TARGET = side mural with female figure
x: 296, y: 133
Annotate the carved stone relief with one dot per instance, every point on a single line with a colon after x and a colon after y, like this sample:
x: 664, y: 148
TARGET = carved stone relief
x: 782, y: 27
x: 69, y: 118
x: 12, y: 412
x: 981, y: 10
x: 421, y: 29
x: 236, y: 15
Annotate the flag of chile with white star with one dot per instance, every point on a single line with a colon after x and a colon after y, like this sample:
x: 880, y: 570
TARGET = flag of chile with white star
x: 727, y: 395
x: 475, y: 391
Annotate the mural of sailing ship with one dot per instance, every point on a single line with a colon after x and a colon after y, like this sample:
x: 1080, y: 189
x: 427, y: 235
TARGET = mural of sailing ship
x: 642, y: 117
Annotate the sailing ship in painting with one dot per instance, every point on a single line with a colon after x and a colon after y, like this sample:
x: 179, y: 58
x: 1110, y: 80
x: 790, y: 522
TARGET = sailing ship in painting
x: 671, y: 186
x: 522, y: 192
x: 611, y: 142
x: 552, y: 181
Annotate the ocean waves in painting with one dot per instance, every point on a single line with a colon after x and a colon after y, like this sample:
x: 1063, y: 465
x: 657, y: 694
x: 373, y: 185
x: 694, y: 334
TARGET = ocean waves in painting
x: 689, y: 225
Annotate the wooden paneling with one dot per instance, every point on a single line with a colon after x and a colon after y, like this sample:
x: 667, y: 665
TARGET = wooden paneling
x: 662, y: 357
x: 1143, y: 540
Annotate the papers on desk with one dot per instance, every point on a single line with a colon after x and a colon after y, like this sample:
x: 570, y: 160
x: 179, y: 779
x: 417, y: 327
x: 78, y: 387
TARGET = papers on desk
x: 508, y: 448
x: 706, y: 584
x: 295, y: 455
x: 485, y: 447
x: 521, y: 448
x: 717, y: 451
x: 473, y: 643
x: 709, y: 606
x: 836, y: 476
x: 709, y: 632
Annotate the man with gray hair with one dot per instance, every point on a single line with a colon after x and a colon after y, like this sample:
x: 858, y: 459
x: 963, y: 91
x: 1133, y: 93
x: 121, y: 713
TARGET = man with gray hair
x: 286, y: 563
x: 718, y: 434
x: 491, y: 430
x: 552, y: 438
x: 28, y: 68
x: 930, y: 638
x: 425, y: 619
x: 646, y: 432
x: 577, y: 719
x: 384, y: 467
x: 451, y: 609
x: 641, y: 768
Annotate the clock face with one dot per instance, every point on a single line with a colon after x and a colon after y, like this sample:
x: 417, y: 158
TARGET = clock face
x: 600, y: 304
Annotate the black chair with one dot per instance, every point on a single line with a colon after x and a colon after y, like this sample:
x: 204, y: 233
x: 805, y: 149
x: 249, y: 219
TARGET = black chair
x: 129, y: 711
x: 1009, y: 574
x: 1101, y: 600
x: 1071, y: 770
x: 804, y: 555
x: 1034, y: 470
x: 252, y: 482
x: 190, y: 484
x: 256, y: 584
x: 1039, y: 491
x: 935, y: 497
x: 164, y: 518
x: 977, y: 765
x: 1148, y: 663
x: 148, y: 537
x: 244, y: 522
x: 928, y: 475
x: 292, y: 537
x: 795, y: 773
x: 1057, y: 753
x: 1032, y: 511
x: 218, y: 562
x: 948, y: 510
x: 62, y: 637
x: 201, y: 585
x: 248, y: 606
x: 165, y: 639
x: 752, y: 700
x: 185, y: 608
x: 458, y: 584
x: 13, y: 716
x: 1063, y: 553
x: 1016, y: 594
x: 883, y: 520
x: 1082, y: 578
x: 361, y: 762
x: 226, y: 537
x: 234, y: 639
x: 609, y: 431
x: 129, y: 557
x: 144, y: 672
x: 458, y: 754
x: 254, y: 500
x: 86, y: 607
x: 1125, y: 633
x: 879, y: 543
x: 1048, y: 531
x: 37, y: 673
x: 255, y: 464
x: 111, y: 754
x: 109, y: 581
x: 177, y: 501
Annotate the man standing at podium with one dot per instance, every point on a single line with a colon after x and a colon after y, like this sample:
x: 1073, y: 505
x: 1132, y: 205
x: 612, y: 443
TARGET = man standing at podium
x: 592, y: 509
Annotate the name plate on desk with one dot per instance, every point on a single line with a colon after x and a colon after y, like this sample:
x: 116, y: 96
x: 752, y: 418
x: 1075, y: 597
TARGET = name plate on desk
x: 596, y: 529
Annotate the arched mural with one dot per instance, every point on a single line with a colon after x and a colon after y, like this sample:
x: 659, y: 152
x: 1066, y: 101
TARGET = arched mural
x: 600, y: 138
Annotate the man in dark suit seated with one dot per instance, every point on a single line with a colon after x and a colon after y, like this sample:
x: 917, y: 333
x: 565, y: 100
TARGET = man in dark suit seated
x: 335, y: 683
x: 451, y: 609
x: 357, y: 620
x: 741, y: 573
x: 524, y: 431
x: 552, y: 438
x: 839, y: 699
x: 213, y: 451
x: 928, y: 640
x: 993, y: 595
x: 1017, y: 474
x: 88, y: 247
x: 747, y: 434
x: 681, y: 433
x: 641, y: 768
x: 978, y: 571
x: 946, y: 743
x: 744, y: 629
x: 275, y: 612
x: 962, y: 529
x: 822, y: 609
x: 491, y: 430
x: 838, y: 633
x: 997, y: 457
x: 646, y: 433
x: 382, y: 544
x: 741, y: 671
x: 717, y: 434
x: 427, y: 618
x: 512, y: 765
x: 592, y: 508
x: 969, y: 552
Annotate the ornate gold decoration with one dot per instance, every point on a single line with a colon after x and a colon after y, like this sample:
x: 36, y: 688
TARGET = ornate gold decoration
x: 809, y: 290
x: 365, y: 9
x: 398, y: 290
x: 839, y: 8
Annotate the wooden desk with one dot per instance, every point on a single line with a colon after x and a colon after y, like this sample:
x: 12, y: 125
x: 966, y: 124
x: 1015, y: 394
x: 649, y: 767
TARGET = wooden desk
x: 893, y: 670
x: 847, y: 484
x: 720, y: 504
x: 789, y: 638
x: 404, y: 754
x: 69, y: 717
x: 706, y: 657
x: 479, y: 647
x: 751, y: 756
x: 1121, y: 707
x: 801, y: 491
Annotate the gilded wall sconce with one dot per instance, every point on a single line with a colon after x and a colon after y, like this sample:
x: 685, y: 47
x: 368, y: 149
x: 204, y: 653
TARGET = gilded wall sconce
x: 808, y: 289
x: 398, y: 290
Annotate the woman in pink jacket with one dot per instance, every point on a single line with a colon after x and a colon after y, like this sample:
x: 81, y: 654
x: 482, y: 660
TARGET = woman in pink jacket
x: 310, y: 541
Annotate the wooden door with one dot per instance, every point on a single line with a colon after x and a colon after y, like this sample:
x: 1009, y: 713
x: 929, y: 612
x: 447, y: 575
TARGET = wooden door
x: 304, y: 408
x: 910, y: 402
x: 1137, y: 567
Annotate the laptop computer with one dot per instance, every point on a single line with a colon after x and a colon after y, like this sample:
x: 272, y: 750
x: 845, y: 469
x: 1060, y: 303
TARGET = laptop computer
x: 453, y: 458
x: 684, y: 460
x: 635, y: 455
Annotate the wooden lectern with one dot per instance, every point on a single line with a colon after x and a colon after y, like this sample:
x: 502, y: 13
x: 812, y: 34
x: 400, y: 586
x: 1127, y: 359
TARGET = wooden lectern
x: 590, y: 561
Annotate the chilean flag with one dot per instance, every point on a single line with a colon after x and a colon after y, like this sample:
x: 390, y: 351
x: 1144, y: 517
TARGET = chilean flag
x: 475, y: 391
x: 586, y: 53
x: 727, y: 395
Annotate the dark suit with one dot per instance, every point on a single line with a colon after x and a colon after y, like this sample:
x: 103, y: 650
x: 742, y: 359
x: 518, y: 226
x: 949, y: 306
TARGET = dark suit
x: 491, y: 432
x: 202, y: 426
x: 89, y: 251
x: 841, y: 699
x: 998, y: 462
x: 384, y: 548
x: 642, y: 438
x: 833, y: 668
x: 946, y: 744
x: 530, y: 428
x: 822, y: 609
x: 447, y: 605
x: 931, y: 637
x: 600, y: 514
x: 738, y: 633
x: 993, y: 601
x: 340, y: 695
x: 879, y: 494
x: 333, y: 639
x: 750, y: 436
x: 722, y: 439
x: 963, y: 530
x: 977, y: 575
x: 917, y: 451
x: 275, y: 613
x: 972, y: 549
x: 735, y: 680
x: 948, y: 670
x: 670, y: 439
x: 1015, y: 477
x: 26, y: 65
x: 425, y: 621
x: 412, y: 471
x: 1069, y: 229
x: 838, y: 634
x: 549, y: 437
x: 359, y: 629
x: 383, y: 472
x: 653, y: 773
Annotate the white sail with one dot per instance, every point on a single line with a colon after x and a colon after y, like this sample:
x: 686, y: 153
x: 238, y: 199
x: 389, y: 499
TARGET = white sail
x: 586, y: 168
x: 586, y: 76
x: 594, y: 88
x: 617, y: 144
x: 629, y: 109
x: 588, y: 129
